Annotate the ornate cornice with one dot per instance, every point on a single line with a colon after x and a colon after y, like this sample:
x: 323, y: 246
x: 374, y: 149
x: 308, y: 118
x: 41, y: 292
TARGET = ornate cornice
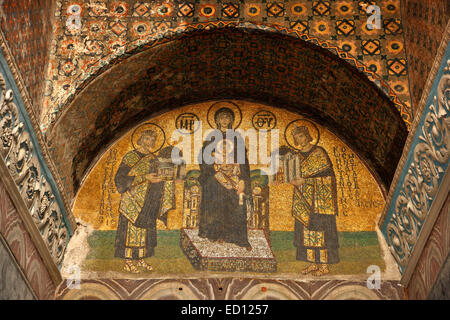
x: 27, y: 183
x: 418, y: 116
x: 423, y: 238
x: 29, y: 224
x: 27, y: 178
x: 421, y: 169
x: 28, y: 104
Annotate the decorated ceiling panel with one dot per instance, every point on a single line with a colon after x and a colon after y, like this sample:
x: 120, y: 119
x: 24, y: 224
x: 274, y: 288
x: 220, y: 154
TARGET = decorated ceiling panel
x: 91, y: 34
x: 222, y: 64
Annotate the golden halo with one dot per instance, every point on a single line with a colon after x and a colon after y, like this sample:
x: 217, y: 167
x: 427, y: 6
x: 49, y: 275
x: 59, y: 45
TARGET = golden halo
x: 224, y: 104
x: 312, y: 128
x: 160, y: 135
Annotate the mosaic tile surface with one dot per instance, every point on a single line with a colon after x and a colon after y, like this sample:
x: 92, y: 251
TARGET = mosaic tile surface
x: 90, y: 34
x: 27, y: 26
x: 210, y: 249
x: 181, y: 72
x: 426, y: 21
x: 172, y: 243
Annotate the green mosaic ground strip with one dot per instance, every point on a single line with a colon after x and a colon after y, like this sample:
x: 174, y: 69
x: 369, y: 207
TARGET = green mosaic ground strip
x: 283, y: 240
x: 358, y: 250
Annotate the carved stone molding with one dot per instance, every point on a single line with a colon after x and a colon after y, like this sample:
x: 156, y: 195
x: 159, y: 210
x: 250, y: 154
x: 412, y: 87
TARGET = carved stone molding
x: 23, y: 175
x: 415, y: 125
x: 420, y: 174
x: 27, y: 103
x: 422, y: 181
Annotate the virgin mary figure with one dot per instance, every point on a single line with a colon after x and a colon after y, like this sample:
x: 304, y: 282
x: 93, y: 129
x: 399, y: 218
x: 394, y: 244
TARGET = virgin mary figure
x: 145, y: 197
x: 226, y: 189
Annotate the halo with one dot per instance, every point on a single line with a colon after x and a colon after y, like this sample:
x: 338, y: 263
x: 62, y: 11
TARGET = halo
x: 312, y: 128
x: 224, y: 104
x: 160, y: 135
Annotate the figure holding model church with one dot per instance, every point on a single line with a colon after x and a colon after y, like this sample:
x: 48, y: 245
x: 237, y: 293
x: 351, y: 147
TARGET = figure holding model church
x: 314, y: 204
x: 147, y: 194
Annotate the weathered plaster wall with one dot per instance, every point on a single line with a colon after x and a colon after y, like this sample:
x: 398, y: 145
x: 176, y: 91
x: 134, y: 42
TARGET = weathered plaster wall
x: 423, y: 167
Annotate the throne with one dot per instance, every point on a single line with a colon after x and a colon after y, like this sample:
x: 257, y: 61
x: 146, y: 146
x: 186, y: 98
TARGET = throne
x: 213, y: 256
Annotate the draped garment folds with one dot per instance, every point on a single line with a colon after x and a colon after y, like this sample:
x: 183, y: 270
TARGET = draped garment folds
x: 141, y: 203
x: 315, y: 209
x: 221, y: 215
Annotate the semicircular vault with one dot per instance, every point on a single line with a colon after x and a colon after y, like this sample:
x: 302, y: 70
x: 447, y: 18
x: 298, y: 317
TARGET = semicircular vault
x: 229, y: 64
x: 149, y: 214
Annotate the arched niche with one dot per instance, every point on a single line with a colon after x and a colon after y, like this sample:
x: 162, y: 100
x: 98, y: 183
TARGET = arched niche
x: 229, y: 64
x: 358, y: 199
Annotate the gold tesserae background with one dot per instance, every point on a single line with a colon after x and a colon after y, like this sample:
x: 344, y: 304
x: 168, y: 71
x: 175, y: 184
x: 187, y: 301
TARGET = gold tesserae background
x: 360, y: 199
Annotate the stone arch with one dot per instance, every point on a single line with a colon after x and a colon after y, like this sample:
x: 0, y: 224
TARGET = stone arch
x: 351, y: 292
x: 171, y: 290
x: 91, y: 291
x: 270, y: 291
x: 103, y: 64
x: 228, y: 63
